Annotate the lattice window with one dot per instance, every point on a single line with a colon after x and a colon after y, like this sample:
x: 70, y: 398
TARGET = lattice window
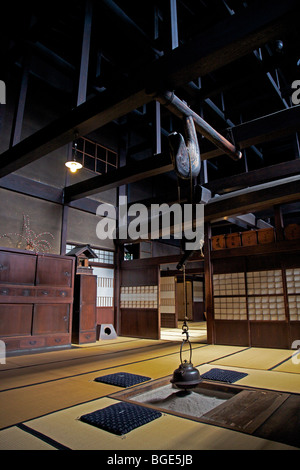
x: 95, y: 157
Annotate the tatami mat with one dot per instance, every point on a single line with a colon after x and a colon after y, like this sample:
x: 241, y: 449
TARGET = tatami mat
x: 58, y: 367
x: 17, y: 439
x: 45, y: 394
x: 270, y: 380
x: 256, y: 358
x: 167, y: 432
x: 49, y: 391
x: 79, y: 351
x: 292, y: 365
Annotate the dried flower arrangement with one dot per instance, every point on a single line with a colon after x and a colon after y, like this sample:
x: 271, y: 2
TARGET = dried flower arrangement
x: 29, y: 239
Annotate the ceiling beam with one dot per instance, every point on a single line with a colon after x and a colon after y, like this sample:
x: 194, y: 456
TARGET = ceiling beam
x: 227, y: 41
x: 224, y: 43
x: 130, y: 173
x: 268, y: 128
x: 253, y: 199
x: 242, y: 202
x: 254, y: 177
x: 264, y: 129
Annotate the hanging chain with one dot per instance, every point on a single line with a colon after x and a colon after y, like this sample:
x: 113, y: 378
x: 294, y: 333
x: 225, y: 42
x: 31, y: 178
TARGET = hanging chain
x: 185, y: 328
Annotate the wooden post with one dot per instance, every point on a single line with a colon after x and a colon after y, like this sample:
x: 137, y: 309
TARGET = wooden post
x: 279, y: 223
x: 208, y: 285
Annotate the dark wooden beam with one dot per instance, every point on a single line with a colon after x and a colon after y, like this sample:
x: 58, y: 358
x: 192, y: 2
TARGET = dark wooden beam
x: 85, y: 53
x: 221, y: 45
x: 224, y: 43
x: 140, y: 170
x: 265, y: 129
x: 22, y: 185
x: 251, y: 178
x: 17, y: 124
x: 89, y: 116
x: 253, y: 199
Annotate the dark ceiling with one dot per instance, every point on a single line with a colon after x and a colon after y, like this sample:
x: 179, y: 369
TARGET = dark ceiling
x: 231, y: 61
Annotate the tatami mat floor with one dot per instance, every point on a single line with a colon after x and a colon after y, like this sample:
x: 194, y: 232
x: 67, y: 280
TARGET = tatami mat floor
x: 42, y: 395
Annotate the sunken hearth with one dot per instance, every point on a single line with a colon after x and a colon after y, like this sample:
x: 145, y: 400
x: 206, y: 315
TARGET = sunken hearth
x: 262, y: 413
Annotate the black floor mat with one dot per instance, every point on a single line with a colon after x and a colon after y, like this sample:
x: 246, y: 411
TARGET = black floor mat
x: 223, y: 375
x: 121, y: 418
x: 122, y: 379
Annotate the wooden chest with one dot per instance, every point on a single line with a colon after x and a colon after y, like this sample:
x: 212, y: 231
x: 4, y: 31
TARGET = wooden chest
x: 36, y: 298
x: 249, y: 238
x: 218, y: 242
x: 233, y: 240
x: 265, y: 235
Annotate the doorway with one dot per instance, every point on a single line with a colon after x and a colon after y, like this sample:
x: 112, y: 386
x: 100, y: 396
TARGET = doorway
x: 172, y: 305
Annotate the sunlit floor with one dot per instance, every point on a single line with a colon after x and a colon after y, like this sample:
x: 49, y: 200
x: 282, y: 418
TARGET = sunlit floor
x: 197, y: 332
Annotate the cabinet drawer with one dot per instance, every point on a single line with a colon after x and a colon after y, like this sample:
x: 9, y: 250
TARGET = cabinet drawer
x: 87, y: 337
x: 16, y: 268
x: 53, y: 295
x: 11, y: 344
x: 60, y: 340
x: 45, y: 293
x: 64, y: 294
x: 6, y: 290
x: 33, y: 342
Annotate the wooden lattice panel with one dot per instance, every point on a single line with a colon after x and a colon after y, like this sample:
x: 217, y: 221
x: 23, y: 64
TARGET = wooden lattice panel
x: 138, y: 297
x: 167, y: 295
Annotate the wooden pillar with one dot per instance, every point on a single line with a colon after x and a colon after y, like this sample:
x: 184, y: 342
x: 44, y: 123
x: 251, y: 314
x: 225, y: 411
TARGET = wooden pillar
x: 119, y: 257
x: 81, y: 98
x: 85, y: 52
x: 17, y: 124
x: 279, y: 223
x: 208, y: 285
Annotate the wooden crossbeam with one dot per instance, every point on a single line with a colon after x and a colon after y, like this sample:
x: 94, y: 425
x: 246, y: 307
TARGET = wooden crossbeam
x: 131, y: 173
x: 223, y: 44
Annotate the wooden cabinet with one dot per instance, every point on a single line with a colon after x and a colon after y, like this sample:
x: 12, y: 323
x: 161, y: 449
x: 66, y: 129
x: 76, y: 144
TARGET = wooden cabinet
x: 36, y: 300
x: 84, y: 312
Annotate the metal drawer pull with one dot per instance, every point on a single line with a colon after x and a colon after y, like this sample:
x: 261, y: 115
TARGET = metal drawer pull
x: 63, y: 293
x: 57, y: 340
x: 32, y: 342
x: 45, y: 292
x: 2, y: 267
x: 4, y: 291
x: 67, y: 274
